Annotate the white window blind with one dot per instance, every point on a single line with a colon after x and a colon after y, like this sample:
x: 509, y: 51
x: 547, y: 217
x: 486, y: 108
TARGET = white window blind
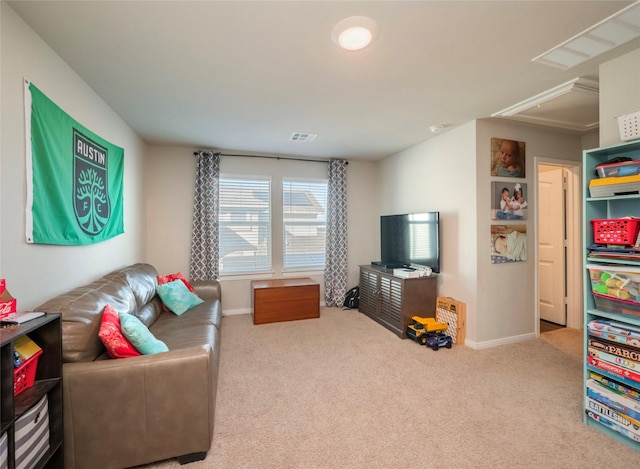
x: 245, y: 225
x: 304, y: 215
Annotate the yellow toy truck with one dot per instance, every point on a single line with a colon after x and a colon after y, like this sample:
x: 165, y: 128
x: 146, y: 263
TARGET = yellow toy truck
x: 422, y: 327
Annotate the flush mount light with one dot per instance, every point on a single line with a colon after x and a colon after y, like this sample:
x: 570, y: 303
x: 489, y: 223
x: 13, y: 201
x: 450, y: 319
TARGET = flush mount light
x: 354, y: 33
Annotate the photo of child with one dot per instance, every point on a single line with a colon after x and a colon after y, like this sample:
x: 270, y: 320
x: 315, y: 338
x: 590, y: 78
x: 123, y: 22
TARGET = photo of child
x: 508, y: 243
x: 507, y: 158
x: 509, y: 201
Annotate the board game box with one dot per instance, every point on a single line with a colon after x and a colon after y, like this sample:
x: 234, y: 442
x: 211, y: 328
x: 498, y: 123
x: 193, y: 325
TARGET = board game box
x: 616, y: 386
x: 453, y: 313
x: 618, y: 372
x: 612, y: 425
x: 617, y: 402
x: 614, y: 331
x: 616, y: 417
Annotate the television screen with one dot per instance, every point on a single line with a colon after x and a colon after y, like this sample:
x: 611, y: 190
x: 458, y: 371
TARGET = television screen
x: 411, y: 240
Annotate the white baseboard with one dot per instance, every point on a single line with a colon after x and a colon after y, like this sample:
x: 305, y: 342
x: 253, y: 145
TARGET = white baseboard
x: 503, y: 341
x: 232, y: 312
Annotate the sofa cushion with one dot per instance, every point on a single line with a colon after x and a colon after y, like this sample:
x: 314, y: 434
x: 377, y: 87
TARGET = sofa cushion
x: 141, y: 337
x: 141, y: 278
x: 151, y: 312
x: 81, y: 311
x: 177, y: 276
x: 117, y: 345
x: 177, y: 297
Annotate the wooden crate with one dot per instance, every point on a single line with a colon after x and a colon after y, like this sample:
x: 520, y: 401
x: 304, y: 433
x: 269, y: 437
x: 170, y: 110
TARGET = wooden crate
x: 453, y: 313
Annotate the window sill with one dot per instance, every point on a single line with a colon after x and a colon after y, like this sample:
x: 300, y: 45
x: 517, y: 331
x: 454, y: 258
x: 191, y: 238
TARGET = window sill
x: 247, y: 276
x: 304, y: 273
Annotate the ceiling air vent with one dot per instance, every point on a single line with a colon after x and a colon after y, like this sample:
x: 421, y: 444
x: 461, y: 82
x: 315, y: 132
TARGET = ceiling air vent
x: 302, y: 137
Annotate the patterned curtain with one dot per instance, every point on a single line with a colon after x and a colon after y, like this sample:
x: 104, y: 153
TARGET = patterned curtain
x: 335, y: 273
x: 205, y: 256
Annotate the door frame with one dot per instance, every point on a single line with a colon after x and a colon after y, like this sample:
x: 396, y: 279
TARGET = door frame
x: 573, y: 215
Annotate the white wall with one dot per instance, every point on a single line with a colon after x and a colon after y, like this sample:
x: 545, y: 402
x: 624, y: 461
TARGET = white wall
x: 452, y: 173
x: 439, y: 175
x: 508, y: 313
x: 169, y: 214
x: 619, y: 94
x: 34, y: 273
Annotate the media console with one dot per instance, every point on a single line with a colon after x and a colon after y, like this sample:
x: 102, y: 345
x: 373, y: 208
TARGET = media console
x: 392, y: 301
x: 387, y: 265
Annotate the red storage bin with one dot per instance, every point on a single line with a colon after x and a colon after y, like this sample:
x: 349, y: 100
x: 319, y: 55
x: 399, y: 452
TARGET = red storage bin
x: 622, y: 231
x: 25, y: 375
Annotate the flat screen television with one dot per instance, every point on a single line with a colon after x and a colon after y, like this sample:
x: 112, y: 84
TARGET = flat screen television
x: 411, y: 240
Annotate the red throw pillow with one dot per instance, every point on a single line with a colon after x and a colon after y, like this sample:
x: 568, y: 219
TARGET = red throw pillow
x: 118, y: 346
x: 177, y: 276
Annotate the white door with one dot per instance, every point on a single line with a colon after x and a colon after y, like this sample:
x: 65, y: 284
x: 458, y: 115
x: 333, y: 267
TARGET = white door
x: 551, y: 248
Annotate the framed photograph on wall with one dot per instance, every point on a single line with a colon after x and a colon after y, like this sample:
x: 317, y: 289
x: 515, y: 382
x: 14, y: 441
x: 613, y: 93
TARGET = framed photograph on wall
x: 507, y: 158
x: 509, y: 200
x: 508, y: 243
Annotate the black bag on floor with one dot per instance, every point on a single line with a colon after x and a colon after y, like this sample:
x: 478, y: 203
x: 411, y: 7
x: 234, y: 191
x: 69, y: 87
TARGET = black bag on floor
x: 352, y: 298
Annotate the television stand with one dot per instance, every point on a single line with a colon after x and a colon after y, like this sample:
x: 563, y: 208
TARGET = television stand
x: 392, y: 301
x: 387, y: 265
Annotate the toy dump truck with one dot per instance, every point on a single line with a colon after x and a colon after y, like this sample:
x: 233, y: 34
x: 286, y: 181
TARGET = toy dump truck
x: 422, y: 327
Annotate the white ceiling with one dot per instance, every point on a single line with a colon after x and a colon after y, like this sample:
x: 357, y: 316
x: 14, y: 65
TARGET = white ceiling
x: 244, y: 76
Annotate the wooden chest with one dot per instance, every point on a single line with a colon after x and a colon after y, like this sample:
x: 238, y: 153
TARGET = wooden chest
x: 284, y: 300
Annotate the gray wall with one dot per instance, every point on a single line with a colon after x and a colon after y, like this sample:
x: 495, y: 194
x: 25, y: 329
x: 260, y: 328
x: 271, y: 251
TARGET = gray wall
x: 449, y: 173
x: 169, y: 214
x: 37, y: 272
x: 619, y: 94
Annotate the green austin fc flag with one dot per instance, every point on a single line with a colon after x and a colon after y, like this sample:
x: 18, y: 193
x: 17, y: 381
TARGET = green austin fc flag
x: 74, y: 177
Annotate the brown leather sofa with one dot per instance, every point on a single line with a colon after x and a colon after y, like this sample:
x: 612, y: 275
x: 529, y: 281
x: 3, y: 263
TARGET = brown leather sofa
x: 125, y: 412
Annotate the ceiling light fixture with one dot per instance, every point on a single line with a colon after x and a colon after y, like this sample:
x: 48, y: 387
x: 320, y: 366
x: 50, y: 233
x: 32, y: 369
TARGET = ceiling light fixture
x: 608, y: 34
x: 354, y: 33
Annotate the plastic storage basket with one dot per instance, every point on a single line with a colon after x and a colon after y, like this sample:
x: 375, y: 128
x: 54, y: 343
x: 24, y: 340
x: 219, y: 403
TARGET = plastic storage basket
x: 622, y: 231
x: 25, y: 375
x: 616, y: 289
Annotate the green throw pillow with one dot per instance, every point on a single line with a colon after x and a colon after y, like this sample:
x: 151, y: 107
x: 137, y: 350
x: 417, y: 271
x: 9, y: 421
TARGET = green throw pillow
x: 177, y: 297
x: 139, y: 336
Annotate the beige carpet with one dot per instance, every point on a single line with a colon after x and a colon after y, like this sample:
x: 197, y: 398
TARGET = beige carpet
x: 343, y: 392
x: 569, y: 341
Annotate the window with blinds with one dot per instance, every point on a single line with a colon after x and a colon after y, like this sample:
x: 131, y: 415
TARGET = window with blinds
x: 245, y: 225
x: 304, y: 216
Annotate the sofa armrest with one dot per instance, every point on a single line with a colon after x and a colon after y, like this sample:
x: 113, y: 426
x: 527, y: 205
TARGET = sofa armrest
x: 134, y: 410
x: 208, y: 289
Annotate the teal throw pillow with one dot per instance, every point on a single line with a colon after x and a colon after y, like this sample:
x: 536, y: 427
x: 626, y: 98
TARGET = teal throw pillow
x: 177, y: 297
x: 139, y: 336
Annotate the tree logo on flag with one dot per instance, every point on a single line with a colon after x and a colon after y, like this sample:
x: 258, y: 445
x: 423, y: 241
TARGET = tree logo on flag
x: 90, y: 188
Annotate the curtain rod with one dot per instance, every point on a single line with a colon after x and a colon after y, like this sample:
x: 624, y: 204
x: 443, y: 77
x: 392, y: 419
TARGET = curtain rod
x: 195, y: 153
